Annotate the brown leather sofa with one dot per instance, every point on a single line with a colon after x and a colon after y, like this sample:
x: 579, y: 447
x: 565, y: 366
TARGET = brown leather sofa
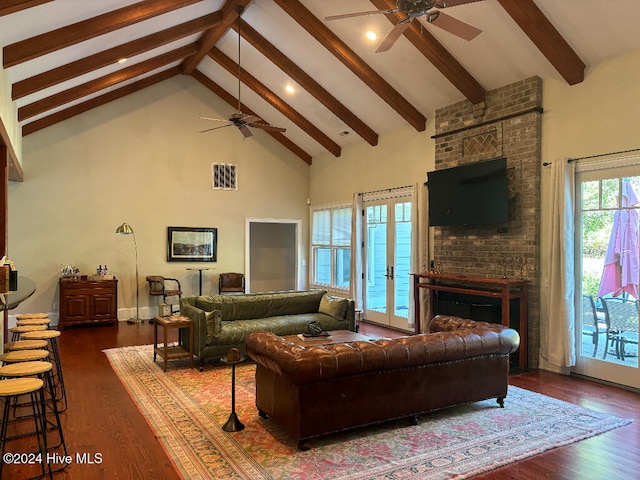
x: 316, y: 390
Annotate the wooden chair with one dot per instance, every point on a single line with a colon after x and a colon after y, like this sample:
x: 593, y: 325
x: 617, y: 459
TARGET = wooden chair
x: 590, y: 325
x: 231, y: 283
x: 622, y: 324
x: 158, y: 287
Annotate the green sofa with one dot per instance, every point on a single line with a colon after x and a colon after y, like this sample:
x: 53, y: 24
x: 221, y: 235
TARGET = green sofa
x: 222, y: 322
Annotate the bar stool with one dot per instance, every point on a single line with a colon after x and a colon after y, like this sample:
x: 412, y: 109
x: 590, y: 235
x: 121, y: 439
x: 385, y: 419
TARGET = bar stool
x: 23, y: 316
x: 17, y: 331
x: 26, y: 345
x: 52, y: 337
x: 17, y: 356
x: 42, y: 370
x: 13, y: 388
x: 33, y: 321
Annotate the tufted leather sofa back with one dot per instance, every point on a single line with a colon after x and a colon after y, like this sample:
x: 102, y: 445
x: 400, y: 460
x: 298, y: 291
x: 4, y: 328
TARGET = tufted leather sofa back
x: 450, y: 339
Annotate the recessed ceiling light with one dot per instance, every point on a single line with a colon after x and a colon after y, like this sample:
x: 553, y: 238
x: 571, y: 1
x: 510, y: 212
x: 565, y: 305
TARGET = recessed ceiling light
x: 122, y: 60
x: 290, y: 89
x: 371, y: 35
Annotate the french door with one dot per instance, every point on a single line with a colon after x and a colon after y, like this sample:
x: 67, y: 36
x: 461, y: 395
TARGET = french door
x: 607, y: 212
x: 387, y: 261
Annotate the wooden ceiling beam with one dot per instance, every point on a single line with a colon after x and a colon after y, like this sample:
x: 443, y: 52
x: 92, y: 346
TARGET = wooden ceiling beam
x: 348, y: 57
x: 547, y: 38
x: 307, y: 82
x: 269, y: 96
x: 12, y: 6
x: 63, y: 37
x: 231, y: 10
x: 108, y: 57
x: 433, y: 51
x: 67, y: 113
x: 106, y: 81
x: 231, y: 100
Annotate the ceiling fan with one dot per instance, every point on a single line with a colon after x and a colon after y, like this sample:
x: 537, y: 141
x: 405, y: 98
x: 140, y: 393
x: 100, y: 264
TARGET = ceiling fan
x: 243, y: 121
x: 430, y: 9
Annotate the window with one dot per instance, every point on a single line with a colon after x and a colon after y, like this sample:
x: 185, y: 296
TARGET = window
x: 331, y: 246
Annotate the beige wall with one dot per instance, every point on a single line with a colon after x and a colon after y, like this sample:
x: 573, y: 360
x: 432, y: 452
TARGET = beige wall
x: 9, y: 113
x: 141, y: 160
x: 401, y: 158
x: 597, y: 116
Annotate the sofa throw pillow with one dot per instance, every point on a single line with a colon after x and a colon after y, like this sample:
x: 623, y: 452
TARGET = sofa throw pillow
x: 334, y: 306
x: 214, y: 324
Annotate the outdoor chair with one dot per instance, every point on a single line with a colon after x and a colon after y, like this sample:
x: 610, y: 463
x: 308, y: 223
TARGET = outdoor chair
x: 622, y: 324
x: 590, y: 324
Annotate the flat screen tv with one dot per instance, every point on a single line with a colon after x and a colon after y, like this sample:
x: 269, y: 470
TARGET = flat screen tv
x: 474, y: 194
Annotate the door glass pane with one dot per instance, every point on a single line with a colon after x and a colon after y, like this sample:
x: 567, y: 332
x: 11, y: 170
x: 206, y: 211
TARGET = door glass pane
x: 402, y: 259
x: 609, y: 277
x: 376, y: 288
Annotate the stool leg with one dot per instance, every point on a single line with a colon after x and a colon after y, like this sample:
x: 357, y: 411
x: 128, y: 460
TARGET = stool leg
x: 53, y: 345
x: 3, y: 429
x: 48, y: 380
x: 40, y: 418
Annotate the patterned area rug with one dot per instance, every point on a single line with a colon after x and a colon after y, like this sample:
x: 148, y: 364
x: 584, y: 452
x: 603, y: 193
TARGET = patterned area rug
x: 186, y: 409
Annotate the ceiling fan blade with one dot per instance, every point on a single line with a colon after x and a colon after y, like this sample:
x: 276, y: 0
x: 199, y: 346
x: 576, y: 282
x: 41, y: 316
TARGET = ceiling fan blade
x: 246, y: 131
x: 357, y: 14
x: 270, y: 128
x: 456, y: 27
x: 393, y: 36
x: 453, y: 3
x: 215, y: 128
x: 215, y: 119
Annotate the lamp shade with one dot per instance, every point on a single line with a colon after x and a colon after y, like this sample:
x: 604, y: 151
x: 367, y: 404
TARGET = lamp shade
x: 124, y: 229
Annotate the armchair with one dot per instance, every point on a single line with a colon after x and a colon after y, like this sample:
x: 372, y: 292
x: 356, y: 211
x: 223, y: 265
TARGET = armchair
x: 158, y: 287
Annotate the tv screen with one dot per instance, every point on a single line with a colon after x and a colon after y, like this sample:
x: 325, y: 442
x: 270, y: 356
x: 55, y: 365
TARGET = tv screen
x: 474, y: 194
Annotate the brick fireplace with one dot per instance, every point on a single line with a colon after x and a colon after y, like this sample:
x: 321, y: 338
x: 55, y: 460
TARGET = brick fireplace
x: 507, y: 124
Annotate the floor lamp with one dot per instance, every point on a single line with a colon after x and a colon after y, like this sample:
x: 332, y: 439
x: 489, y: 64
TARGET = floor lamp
x: 125, y: 229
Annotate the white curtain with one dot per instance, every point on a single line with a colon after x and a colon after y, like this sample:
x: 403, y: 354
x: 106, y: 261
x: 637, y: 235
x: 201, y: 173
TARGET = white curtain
x: 356, y: 253
x: 419, y: 242
x: 557, y: 344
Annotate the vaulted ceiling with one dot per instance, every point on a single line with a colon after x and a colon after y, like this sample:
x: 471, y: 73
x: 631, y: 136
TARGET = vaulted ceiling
x: 61, y: 58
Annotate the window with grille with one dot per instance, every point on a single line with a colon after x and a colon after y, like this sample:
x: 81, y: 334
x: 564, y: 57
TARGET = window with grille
x: 224, y: 176
x: 331, y: 246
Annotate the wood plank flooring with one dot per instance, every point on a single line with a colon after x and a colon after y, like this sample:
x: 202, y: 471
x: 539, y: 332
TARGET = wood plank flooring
x: 103, y: 419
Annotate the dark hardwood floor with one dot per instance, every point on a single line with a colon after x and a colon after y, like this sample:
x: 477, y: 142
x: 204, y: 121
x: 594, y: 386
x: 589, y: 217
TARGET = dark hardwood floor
x: 102, y: 419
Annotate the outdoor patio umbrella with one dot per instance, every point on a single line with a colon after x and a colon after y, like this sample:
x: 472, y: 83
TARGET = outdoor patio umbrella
x: 620, y: 273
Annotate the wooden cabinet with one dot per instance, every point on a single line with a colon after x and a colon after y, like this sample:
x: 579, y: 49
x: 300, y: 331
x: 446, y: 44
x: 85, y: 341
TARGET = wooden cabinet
x: 85, y: 301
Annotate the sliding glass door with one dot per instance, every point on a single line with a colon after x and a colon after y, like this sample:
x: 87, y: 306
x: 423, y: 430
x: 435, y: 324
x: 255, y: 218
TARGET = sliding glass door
x: 607, y: 278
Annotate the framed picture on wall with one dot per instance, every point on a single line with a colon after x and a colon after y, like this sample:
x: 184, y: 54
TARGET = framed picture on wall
x: 187, y: 244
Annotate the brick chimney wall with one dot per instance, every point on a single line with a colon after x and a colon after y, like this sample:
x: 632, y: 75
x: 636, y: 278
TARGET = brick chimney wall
x: 505, y: 125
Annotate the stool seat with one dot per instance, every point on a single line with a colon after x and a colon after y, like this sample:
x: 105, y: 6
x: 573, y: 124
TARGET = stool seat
x: 33, y: 321
x: 19, y: 386
x: 25, y: 369
x: 24, y: 356
x: 25, y: 345
x: 23, y: 316
x: 40, y: 335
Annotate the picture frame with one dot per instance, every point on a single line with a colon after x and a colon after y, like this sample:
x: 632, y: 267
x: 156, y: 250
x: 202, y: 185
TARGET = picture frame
x: 189, y: 244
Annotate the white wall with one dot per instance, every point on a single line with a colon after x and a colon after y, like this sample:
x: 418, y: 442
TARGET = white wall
x: 141, y: 160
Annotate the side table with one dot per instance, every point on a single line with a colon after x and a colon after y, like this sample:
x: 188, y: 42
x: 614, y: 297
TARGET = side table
x: 172, y: 353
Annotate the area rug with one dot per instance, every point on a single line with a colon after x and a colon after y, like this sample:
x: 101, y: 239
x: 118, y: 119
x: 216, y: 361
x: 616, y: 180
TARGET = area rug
x: 186, y: 408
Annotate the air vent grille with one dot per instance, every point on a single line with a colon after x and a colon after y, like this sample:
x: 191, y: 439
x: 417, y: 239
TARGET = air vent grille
x: 224, y: 176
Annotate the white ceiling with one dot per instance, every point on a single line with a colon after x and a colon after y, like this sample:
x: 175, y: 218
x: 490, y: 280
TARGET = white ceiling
x: 502, y: 54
